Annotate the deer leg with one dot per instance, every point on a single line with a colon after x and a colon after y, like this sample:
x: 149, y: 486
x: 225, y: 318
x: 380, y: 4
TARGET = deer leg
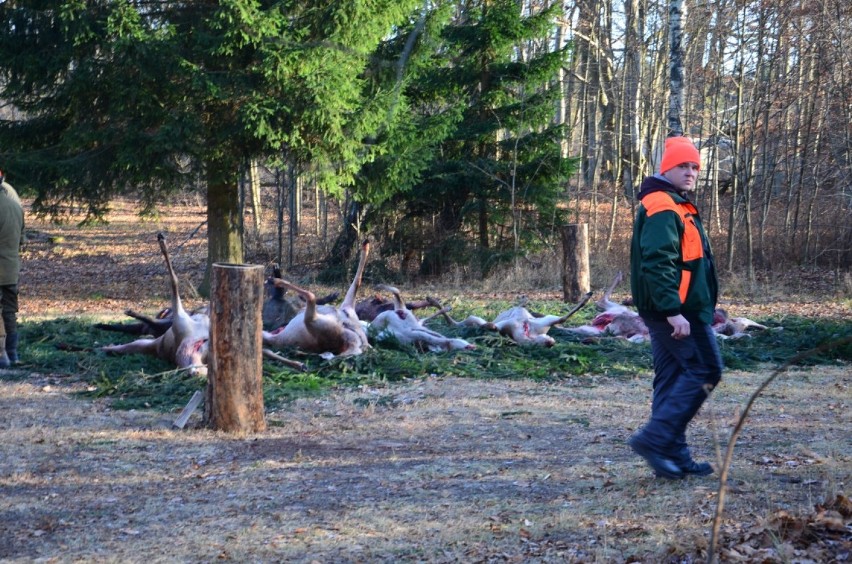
x: 309, y: 297
x: 349, y: 299
x: 442, y: 312
x: 155, y: 327
x: 545, y: 322
x: 143, y: 346
x: 445, y: 313
x: 420, y: 304
x: 576, y: 308
x: 397, y: 299
x: 604, y: 302
x: 267, y: 353
x: 181, y: 322
x: 129, y: 328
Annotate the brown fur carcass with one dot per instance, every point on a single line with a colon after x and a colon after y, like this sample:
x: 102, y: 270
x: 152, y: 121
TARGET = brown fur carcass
x: 278, y: 308
x: 325, y: 330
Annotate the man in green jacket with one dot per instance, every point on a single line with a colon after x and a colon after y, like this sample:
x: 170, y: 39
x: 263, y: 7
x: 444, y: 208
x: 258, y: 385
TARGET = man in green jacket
x: 11, y: 241
x: 674, y: 286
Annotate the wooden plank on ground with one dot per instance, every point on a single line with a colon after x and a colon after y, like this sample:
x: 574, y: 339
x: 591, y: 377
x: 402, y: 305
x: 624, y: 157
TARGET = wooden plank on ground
x: 187, y: 411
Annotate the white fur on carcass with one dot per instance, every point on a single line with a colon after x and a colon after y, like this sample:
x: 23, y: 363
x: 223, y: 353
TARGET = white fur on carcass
x: 185, y: 343
x: 519, y: 324
x: 402, y: 325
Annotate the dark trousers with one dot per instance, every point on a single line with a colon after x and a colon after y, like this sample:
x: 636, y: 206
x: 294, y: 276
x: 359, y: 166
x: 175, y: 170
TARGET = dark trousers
x: 685, y: 371
x: 9, y: 306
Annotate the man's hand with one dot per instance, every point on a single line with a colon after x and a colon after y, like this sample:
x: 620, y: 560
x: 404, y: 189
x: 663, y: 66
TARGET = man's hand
x: 680, y: 326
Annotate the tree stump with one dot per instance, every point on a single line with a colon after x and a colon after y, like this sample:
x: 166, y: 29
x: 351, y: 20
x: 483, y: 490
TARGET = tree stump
x: 234, y: 396
x: 575, y: 262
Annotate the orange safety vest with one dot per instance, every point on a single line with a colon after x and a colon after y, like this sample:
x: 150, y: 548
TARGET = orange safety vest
x: 691, y: 247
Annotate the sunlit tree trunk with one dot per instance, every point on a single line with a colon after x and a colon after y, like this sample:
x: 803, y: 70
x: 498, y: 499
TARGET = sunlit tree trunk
x: 254, y: 194
x: 224, y: 221
x: 676, y: 86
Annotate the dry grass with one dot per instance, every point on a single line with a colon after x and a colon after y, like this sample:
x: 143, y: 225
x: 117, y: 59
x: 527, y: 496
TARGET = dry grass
x: 436, y: 470
x: 440, y: 470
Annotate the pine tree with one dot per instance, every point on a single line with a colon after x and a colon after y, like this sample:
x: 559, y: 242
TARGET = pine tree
x: 487, y: 172
x: 150, y: 97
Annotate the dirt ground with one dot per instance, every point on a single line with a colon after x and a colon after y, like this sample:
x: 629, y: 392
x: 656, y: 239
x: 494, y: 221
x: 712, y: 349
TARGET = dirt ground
x: 438, y: 470
x: 434, y: 470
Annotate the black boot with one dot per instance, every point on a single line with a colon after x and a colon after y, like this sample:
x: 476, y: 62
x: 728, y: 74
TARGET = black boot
x: 12, y: 348
x: 682, y: 457
x: 4, y: 358
x: 662, y: 466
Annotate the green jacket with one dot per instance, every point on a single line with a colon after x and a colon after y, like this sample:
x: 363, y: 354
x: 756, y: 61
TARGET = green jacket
x: 671, y: 263
x: 11, y: 235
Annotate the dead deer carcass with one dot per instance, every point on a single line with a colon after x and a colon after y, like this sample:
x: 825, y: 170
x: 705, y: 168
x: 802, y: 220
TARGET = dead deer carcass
x: 325, y: 330
x: 519, y: 324
x: 278, y: 308
x: 403, y: 326
x: 368, y: 309
x: 618, y: 320
x: 614, y: 319
x: 185, y: 342
x: 733, y: 327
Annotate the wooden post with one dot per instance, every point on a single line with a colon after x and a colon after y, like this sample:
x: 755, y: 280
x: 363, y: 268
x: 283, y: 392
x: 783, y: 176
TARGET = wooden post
x: 234, y: 397
x: 575, y: 262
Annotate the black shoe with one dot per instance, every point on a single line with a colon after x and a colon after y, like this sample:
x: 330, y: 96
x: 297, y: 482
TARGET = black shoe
x: 12, y: 349
x: 693, y: 468
x: 663, y: 467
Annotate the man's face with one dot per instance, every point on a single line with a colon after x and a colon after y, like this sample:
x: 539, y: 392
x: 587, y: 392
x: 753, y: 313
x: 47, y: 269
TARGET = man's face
x: 683, y: 176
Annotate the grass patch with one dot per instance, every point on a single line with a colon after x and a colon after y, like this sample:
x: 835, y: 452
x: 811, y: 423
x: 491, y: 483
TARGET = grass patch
x: 68, y: 347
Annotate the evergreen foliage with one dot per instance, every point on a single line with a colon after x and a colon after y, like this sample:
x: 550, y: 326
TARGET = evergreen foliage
x: 63, y: 348
x: 121, y: 96
x: 478, y: 165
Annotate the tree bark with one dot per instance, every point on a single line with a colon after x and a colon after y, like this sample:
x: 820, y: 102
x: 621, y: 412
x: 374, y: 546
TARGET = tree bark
x: 254, y: 193
x: 676, y: 96
x: 350, y: 233
x: 575, y: 263
x: 224, y: 222
x: 234, y: 397
x: 294, y: 212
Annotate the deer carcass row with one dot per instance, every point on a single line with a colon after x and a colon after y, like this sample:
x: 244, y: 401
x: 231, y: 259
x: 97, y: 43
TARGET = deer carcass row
x: 368, y: 309
x: 614, y: 319
x: 519, y: 324
x: 733, y: 327
x: 325, y: 330
x: 403, y: 326
x: 278, y: 308
x: 618, y: 320
x: 185, y: 342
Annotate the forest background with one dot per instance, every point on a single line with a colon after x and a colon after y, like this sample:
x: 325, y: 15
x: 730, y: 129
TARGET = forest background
x: 460, y: 135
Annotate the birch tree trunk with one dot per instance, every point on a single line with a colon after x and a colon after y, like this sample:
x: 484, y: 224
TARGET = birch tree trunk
x: 676, y: 86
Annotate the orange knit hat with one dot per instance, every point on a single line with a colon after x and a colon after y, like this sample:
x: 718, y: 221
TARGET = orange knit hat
x: 679, y: 150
